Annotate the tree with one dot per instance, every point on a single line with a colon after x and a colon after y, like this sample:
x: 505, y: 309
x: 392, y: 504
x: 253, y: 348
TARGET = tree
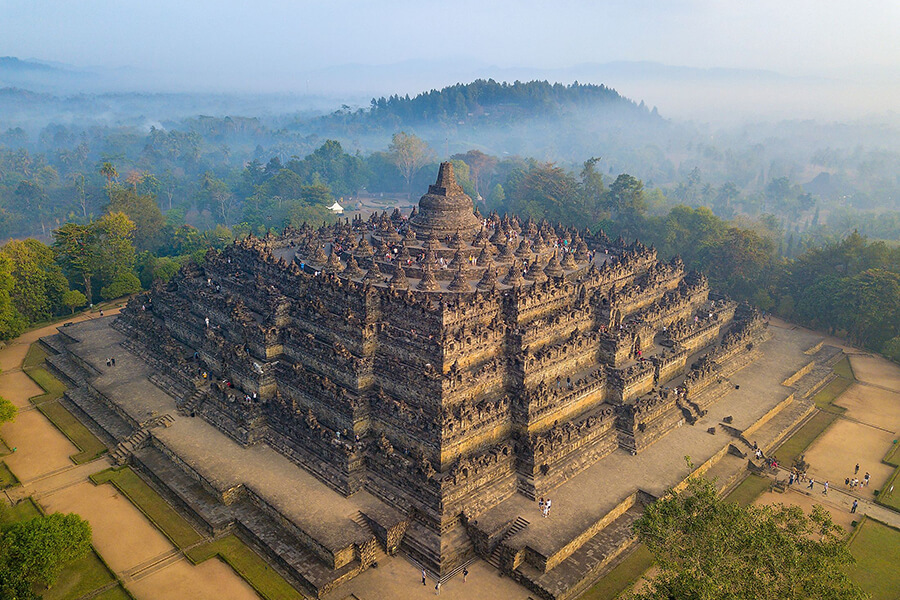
x: 125, y: 283
x: 8, y: 410
x: 709, y: 549
x: 11, y: 322
x: 593, y: 190
x: 218, y: 197
x: 409, y: 153
x: 143, y: 210
x: 480, y: 166
x: 39, y: 281
x: 75, y: 245
x: 36, y: 550
x: 73, y: 299
x: 108, y: 170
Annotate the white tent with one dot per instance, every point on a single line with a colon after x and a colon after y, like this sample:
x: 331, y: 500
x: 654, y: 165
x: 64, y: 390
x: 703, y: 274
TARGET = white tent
x: 336, y: 208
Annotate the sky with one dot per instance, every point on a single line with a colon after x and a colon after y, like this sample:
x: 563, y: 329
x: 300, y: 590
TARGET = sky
x: 794, y: 37
x: 272, y: 45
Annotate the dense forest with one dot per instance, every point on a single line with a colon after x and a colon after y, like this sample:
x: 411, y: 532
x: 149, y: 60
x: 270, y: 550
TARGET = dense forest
x: 110, y: 208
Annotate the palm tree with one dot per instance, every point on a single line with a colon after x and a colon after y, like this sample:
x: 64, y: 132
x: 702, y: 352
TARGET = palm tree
x: 109, y: 171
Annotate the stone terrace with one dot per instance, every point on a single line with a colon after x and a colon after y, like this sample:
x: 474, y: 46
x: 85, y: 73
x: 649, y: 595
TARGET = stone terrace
x: 583, y: 502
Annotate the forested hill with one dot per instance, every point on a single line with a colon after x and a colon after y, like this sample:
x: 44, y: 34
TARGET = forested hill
x: 495, y: 102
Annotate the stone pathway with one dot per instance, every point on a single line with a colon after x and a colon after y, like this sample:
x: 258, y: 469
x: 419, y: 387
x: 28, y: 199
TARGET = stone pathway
x: 840, y: 497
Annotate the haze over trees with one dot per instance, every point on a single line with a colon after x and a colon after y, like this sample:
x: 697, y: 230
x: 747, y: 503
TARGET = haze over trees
x: 117, y: 207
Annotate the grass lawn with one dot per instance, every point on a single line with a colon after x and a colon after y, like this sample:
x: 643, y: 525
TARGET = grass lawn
x: 748, y: 490
x: 79, y: 578
x: 800, y: 441
x: 622, y: 576
x: 876, y: 548
x: 24, y: 510
x: 249, y: 565
x: 116, y: 593
x: 7, y: 479
x: 76, y: 579
x: 78, y: 434
x: 830, y: 392
x: 53, y: 387
x: 843, y: 369
x: 154, y: 507
x: 34, y: 357
x: 886, y: 497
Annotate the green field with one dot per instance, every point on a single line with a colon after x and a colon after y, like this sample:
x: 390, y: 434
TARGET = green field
x: 876, y: 548
x: 53, y: 387
x: 24, y: 510
x: 803, y: 437
x: 78, y: 434
x: 748, y: 490
x: 622, y: 576
x: 889, y: 495
x: 34, y: 357
x: 7, y: 479
x: 77, y: 579
x: 115, y: 593
x: 249, y: 565
x: 164, y: 517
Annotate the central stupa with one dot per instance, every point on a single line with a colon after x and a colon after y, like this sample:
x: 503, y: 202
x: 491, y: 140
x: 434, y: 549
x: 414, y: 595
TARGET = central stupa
x: 446, y: 209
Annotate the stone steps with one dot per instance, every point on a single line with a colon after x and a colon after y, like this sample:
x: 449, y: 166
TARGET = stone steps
x: 182, y: 490
x: 518, y: 525
x: 423, y: 546
x: 101, y: 420
x: 65, y: 369
x: 53, y: 344
x: 127, y: 446
x: 289, y: 552
x: 579, y: 570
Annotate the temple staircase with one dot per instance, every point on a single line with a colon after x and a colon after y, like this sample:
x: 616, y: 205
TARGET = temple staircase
x: 518, y: 525
x: 191, y: 405
x: 137, y: 439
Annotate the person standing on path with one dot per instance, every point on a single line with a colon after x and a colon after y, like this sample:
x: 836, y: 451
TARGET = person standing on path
x: 825, y: 491
x: 423, y: 577
x: 547, y: 508
x: 465, y: 573
x: 856, y: 470
x: 855, y: 504
x: 437, y: 588
x: 866, y: 480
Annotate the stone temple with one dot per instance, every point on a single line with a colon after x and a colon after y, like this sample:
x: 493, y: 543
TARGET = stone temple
x: 415, y: 384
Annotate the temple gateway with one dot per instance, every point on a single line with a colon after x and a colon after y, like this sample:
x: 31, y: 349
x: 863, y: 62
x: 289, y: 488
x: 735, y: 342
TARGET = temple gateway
x: 416, y: 384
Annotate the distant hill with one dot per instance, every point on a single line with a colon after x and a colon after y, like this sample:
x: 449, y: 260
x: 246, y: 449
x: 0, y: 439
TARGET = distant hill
x: 12, y: 64
x: 487, y: 101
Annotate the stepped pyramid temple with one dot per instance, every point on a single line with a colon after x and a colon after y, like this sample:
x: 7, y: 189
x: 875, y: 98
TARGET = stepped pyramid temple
x: 414, y: 385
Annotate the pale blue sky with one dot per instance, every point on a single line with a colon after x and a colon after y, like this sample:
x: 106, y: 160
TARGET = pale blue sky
x: 223, y: 41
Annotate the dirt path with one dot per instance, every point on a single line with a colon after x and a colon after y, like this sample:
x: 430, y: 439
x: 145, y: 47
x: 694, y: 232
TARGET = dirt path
x: 862, y: 435
x: 150, y: 566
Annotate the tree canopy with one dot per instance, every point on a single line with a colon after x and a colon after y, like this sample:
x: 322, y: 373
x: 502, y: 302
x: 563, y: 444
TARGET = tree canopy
x: 709, y: 549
